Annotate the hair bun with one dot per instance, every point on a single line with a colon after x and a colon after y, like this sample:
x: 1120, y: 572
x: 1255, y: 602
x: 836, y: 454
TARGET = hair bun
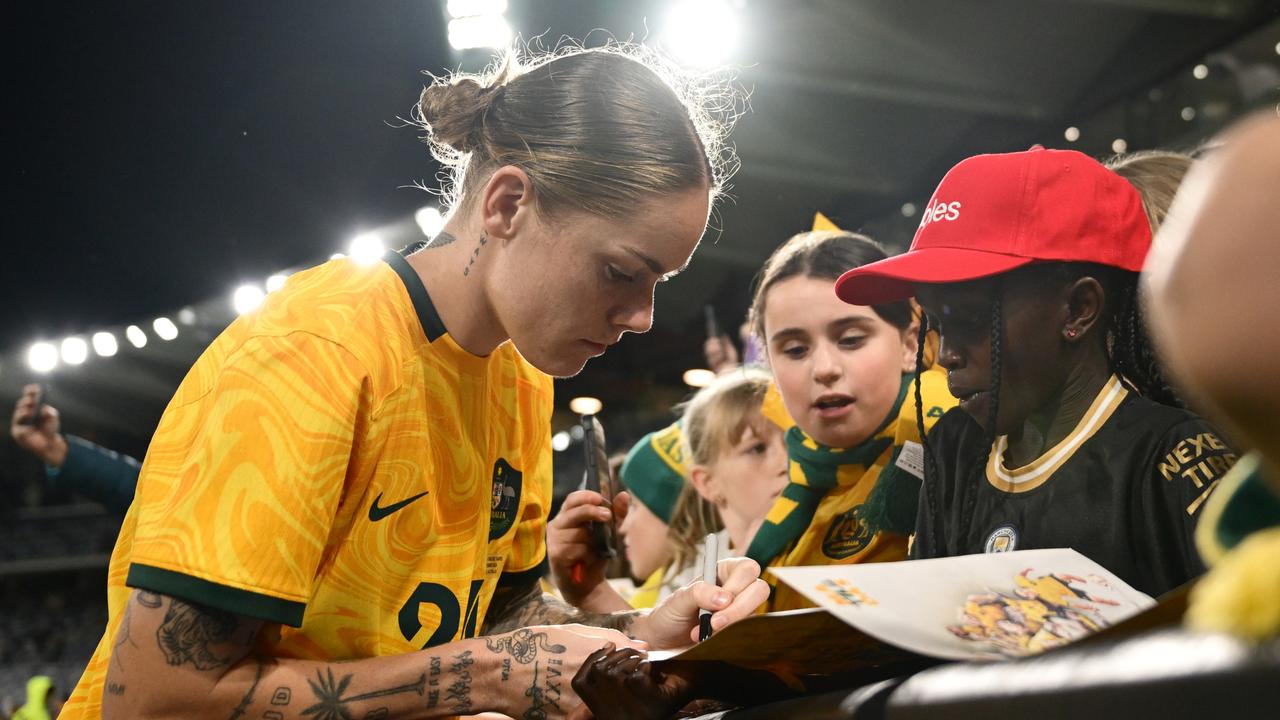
x: 452, y: 112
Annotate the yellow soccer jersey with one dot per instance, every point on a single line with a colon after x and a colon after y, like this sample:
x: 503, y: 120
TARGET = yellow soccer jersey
x: 336, y: 465
x: 836, y: 535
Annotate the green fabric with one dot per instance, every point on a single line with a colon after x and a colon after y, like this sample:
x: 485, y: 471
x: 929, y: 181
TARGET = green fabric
x: 97, y: 473
x: 222, y: 597
x: 36, y: 707
x: 1253, y: 506
x: 820, y: 467
x: 891, y: 506
x: 654, y: 471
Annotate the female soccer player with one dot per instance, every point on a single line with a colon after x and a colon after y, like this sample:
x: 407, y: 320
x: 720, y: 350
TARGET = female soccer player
x: 351, y: 484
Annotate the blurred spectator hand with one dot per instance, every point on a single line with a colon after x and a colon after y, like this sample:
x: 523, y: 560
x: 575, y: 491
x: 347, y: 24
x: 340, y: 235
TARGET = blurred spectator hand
x: 40, y: 436
x: 570, y: 543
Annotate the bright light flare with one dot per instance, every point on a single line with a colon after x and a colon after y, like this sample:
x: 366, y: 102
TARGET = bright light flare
x: 560, y: 441
x: 366, y: 249
x: 698, y: 377
x: 277, y: 281
x: 480, y: 31
x: 1072, y: 134
x: 429, y: 220
x: 42, y: 357
x: 586, y: 405
x: 74, y: 350
x: 136, y: 336
x: 702, y: 32
x: 165, y: 328
x: 469, y: 8
x: 104, y: 343
x: 246, y: 299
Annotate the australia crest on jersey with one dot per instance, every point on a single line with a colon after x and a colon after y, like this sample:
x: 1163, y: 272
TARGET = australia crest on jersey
x: 505, y: 499
x: 847, y: 535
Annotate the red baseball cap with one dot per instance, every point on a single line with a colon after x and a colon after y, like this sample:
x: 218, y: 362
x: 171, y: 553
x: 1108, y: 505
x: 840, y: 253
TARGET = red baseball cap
x: 994, y: 213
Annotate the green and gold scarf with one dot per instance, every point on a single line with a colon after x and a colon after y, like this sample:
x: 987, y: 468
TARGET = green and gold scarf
x: 815, y: 469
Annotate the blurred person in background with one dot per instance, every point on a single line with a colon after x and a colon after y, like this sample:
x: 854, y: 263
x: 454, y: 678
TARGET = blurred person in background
x: 1223, y: 226
x: 72, y: 462
x: 653, y: 474
x: 42, y: 702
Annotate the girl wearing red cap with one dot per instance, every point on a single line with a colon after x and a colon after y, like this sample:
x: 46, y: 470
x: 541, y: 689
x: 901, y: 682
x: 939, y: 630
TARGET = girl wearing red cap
x: 1066, y: 434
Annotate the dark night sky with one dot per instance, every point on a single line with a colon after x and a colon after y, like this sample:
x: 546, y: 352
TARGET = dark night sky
x: 159, y: 152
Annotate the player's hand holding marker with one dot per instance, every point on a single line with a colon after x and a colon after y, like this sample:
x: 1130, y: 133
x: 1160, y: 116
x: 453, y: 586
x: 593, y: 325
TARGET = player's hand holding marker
x: 674, y: 622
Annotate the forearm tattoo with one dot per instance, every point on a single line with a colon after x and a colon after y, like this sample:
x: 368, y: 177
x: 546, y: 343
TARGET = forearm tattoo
x: 333, y: 702
x: 522, y: 646
x: 525, y: 605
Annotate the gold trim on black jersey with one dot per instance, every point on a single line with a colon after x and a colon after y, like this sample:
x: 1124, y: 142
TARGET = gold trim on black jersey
x: 1034, y: 474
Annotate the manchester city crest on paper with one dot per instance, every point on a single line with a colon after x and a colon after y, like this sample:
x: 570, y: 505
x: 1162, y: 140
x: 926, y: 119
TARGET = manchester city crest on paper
x: 506, y: 499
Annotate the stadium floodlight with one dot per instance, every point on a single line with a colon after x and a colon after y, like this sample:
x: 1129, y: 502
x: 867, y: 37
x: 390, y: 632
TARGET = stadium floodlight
x: 247, y: 298
x: 275, y: 282
x: 366, y: 249
x: 470, y: 8
x: 42, y: 357
x: 165, y: 328
x: 429, y: 220
x: 1200, y: 71
x: 698, y: 377
x: 586, y: 405
x: 1072, y: 133
x: 701, y: 32
x: 74, y: 350
x: 1119, y: 145
x: 104, y: 343
x: 560, y: 441
x: 479, y: 31
x: 137, y: 337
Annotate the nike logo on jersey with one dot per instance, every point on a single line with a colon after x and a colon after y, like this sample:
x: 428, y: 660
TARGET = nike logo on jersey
x: 377, y: 513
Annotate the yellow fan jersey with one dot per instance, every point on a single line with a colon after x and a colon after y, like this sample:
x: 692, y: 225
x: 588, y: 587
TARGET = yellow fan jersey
x: 836, y: 535
x: 336, y: 465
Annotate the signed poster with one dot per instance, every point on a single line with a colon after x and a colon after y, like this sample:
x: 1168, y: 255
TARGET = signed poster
x: 973, y: 607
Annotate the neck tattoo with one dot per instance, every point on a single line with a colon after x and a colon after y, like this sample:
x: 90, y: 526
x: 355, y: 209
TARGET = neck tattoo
x: 441, y: 240
x: 484, y: 240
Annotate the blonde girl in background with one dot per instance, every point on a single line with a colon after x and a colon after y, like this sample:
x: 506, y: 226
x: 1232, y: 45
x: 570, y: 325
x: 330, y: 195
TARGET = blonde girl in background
x: 735, y: 462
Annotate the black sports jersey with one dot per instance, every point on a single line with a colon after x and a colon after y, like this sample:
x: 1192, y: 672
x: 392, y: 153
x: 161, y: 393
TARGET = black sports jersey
x: 1124, y: 489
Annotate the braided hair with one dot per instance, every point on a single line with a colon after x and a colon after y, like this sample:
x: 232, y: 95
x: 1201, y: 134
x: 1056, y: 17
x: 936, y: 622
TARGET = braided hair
x: 1129, y: 347
x: 930, y: 467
